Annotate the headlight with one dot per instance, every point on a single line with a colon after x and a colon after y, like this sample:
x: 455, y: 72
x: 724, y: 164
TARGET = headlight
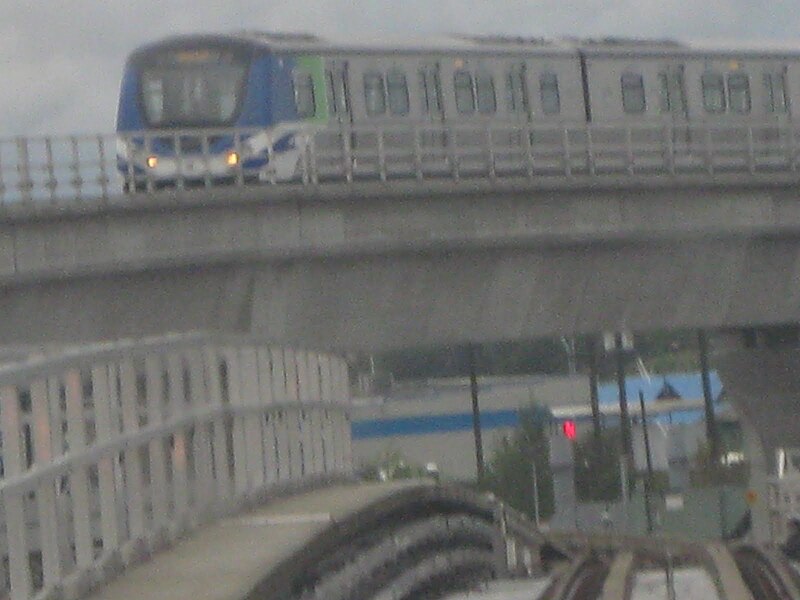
x: 232, y: 159
x: 152, y: 162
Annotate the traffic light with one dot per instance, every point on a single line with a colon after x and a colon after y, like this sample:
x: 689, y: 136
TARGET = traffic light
x: 570, y: 430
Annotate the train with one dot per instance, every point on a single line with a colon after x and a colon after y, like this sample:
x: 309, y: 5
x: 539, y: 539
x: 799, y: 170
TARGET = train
x: 261, y: 99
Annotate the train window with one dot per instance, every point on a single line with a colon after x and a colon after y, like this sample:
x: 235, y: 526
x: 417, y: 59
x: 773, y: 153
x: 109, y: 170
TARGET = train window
x: 465, y: 94
x: 397, y: 86
x: 548, y: 87
x: 337, y: 92
x: 633, y: 100
x: 664, y: 100
x: 374, y: 93
x: 713, y: 92
x: 304, y: 95
x: 517, y: 90
x: 775, y: 86
x: 739, y: 92
x: 672, y: 93
x: 484, y: 88
x: 431, y: 89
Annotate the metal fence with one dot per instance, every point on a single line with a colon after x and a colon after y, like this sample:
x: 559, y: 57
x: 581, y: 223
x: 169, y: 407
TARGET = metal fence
x: 112, y: 451
x: 57, y: 169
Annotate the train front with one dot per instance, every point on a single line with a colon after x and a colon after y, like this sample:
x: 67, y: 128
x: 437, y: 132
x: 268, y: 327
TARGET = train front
x: 180, y: 115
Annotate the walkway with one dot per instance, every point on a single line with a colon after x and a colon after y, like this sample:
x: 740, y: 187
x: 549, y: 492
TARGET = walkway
x: 227, y: 559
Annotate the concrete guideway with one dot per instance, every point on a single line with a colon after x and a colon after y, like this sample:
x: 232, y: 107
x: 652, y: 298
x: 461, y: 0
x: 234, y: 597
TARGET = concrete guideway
x: 371, y: 265
x: 227, y: 559
x: 736, y: 572
x: 375, y: 539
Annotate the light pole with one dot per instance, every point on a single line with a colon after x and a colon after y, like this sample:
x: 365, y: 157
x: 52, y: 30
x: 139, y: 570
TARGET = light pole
x: 535, y: 492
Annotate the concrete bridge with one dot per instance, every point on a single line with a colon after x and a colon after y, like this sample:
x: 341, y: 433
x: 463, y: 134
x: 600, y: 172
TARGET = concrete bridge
x: 572, y: 237
x: 210, y: 468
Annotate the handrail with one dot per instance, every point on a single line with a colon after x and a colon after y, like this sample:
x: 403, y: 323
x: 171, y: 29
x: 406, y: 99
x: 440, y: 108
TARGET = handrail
x: 68, y: 169
x: 123, y: 445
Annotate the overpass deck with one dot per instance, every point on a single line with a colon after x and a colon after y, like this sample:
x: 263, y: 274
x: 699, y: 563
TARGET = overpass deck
x: 227, y: 559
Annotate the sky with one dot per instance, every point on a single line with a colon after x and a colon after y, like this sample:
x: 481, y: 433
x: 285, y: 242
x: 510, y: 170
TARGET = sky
x: 61, y: 60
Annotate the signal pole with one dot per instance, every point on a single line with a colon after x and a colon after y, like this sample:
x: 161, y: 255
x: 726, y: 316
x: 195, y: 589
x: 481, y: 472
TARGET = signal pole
x: 476, y: 414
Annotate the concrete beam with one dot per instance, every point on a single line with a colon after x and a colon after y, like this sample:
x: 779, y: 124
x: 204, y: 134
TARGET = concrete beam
x: 376, y: 266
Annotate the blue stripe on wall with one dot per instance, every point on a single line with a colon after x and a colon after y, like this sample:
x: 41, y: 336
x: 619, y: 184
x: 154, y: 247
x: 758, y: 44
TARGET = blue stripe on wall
x: 448, y: 423
x: 426, y: 424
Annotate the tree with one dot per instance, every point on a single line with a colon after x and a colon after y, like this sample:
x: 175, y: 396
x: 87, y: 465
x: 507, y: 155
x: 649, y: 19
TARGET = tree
x: 509, y: 474
x: 597, y: 467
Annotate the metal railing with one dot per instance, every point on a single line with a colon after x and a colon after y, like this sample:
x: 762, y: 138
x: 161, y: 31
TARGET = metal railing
x: 58, y: 169
x: 113, y: 451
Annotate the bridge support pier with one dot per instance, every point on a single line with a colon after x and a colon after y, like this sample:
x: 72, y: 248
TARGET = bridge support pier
x: 760, y: 370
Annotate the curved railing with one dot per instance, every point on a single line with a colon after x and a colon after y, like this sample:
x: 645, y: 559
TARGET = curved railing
x: 114, y: 450
x: 69, y: 168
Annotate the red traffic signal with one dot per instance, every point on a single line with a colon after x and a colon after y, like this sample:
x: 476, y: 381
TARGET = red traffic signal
x: 570, y: 430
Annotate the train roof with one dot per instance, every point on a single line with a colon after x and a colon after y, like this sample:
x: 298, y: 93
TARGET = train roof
x: 491, y: 44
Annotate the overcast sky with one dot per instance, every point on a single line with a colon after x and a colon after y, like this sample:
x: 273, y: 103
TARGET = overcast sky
x: 61, y: 60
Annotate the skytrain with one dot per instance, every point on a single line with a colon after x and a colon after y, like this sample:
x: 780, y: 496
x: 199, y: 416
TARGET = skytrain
x: 249, y: 105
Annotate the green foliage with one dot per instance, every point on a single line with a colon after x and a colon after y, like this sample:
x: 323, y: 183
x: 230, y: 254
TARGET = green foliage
x: 509, y: 473
x: 390, y: 466
x: 597, y: 469
x: 662, y: 352
x: 705, y: 472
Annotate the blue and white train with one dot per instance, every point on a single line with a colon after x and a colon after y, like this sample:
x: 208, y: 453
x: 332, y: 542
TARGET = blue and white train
x: 282, y: 92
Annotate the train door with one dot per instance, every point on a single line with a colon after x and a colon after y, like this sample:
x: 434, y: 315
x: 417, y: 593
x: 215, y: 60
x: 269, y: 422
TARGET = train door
x: 475, y: 93
x: 513, y: 138
x: 432, y: 137
x: 337, y: 141
x: 674, y: 106
x: 776, y: 137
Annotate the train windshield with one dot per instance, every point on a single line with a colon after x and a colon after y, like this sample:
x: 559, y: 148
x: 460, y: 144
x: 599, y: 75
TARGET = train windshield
x: 192, y: 88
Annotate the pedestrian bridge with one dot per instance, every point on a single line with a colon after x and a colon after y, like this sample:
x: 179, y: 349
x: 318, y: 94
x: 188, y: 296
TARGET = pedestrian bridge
x: 192, y: 467
x: 492, y: 234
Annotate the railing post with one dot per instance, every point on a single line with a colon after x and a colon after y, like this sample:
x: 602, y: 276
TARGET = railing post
x: 347, y: 154
x: 240, y: 480
x: 490, y: 156
x: 452, y: 141
x: 669, y: 148
x: 254, y: 452
x: 279, y: 419
x: 178, y: 455
x: 293, y: 416
x: 306, y: 417
x: 528, y: 135
x: 221, y: 456
x: 46, y: 492
x: 51, y: 184
x: 14, y: 503
x: 417, y: 154
x: 78, y: 477
x: 326, y: 396
x: 751, y: 155
x: 206, y: 158
x: 590, y: 162
x: 237, y: 147
x: 567, y: 156
x: 103, y: 179
x: 264, y: 358
x: 629, y: 157
x: 381, y: 154
x: 201, y: 440
x: 312, y: 155
x: 134, y: 478
x: 24, y: 181
x: 709, y: 148
x: 155, y: 393
x: 101, y: 399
